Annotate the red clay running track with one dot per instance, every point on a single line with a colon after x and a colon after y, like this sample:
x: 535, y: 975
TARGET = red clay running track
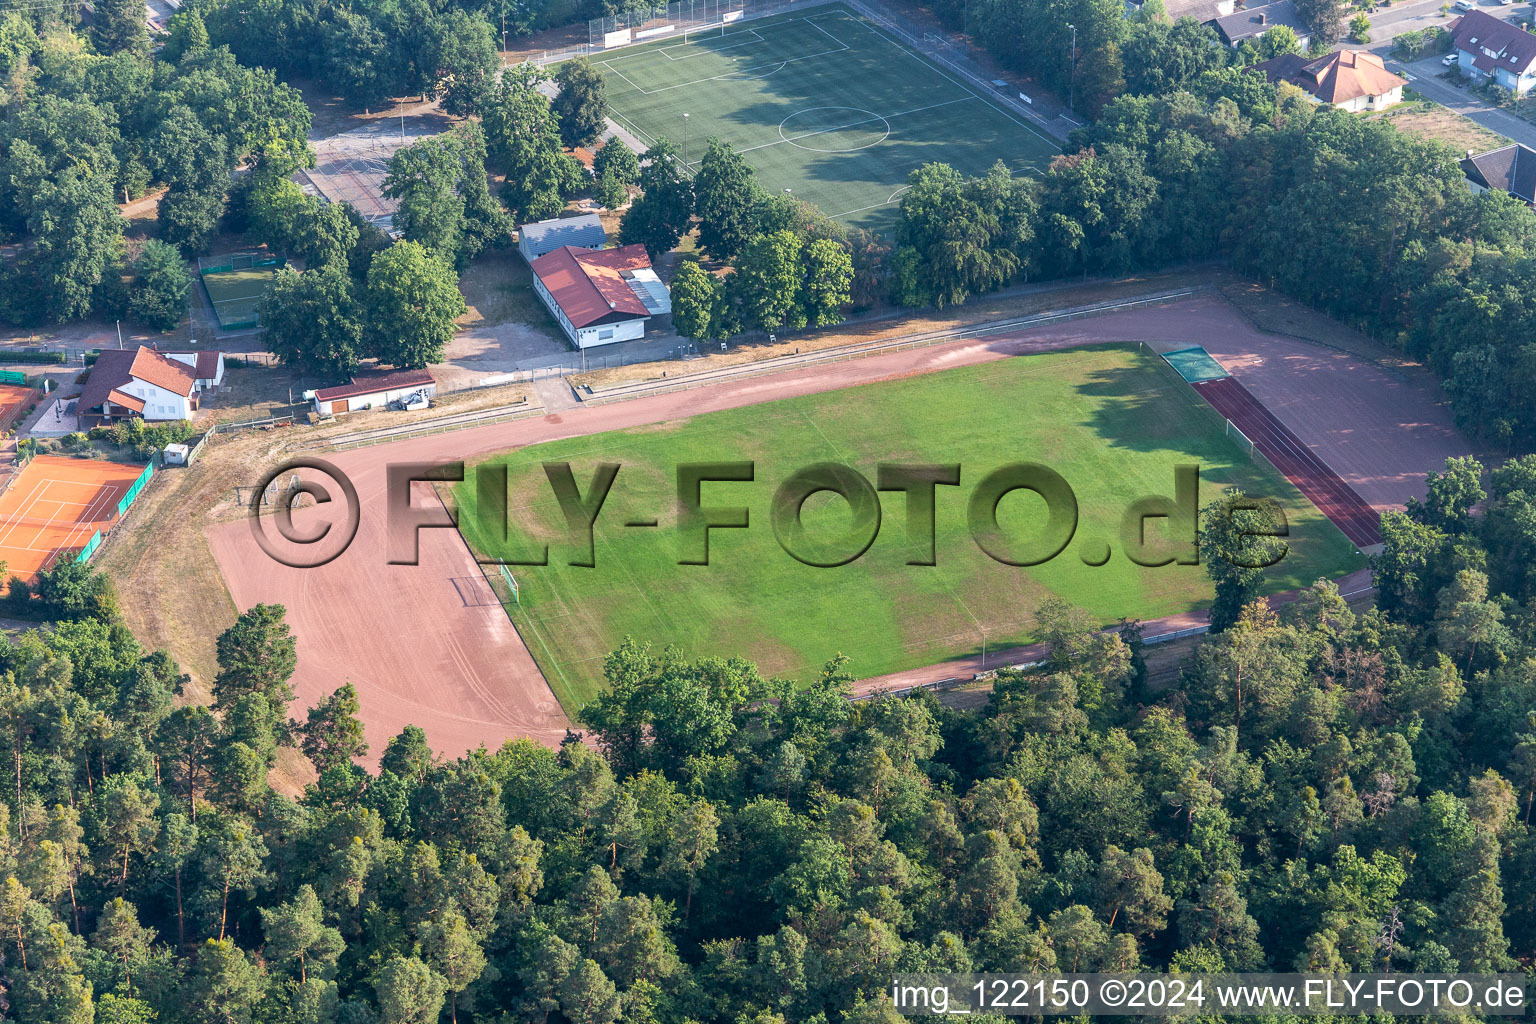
x: 422, y: 649
x: 1333, y: 497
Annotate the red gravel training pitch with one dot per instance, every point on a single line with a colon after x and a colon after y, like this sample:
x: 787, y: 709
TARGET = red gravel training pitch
x: 1286, y: 452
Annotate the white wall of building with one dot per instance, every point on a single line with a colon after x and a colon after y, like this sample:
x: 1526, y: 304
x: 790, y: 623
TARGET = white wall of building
x: 159, y: 404
x: 609, y: 334
x: 373, y: 400
x: 588, y: 337
x: 190, y: 359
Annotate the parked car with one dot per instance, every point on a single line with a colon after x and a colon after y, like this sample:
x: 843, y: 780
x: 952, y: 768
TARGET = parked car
x: 1450, y: 60
x: 1465, y: 5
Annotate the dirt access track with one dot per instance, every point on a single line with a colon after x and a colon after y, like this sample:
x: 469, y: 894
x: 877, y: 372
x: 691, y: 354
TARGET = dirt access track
x: 427, y: 645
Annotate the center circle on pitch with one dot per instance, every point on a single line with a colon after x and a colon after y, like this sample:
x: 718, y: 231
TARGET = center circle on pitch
x: 834, y: 129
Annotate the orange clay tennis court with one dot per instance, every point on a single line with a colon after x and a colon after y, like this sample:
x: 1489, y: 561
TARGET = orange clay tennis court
x: 56, y: 505
x: 13, y: 399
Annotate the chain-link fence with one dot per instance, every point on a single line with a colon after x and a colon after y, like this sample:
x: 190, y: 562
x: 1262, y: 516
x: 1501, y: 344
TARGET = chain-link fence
x: 680, y: 18
x: 674, y: 19
x: 684, y: 17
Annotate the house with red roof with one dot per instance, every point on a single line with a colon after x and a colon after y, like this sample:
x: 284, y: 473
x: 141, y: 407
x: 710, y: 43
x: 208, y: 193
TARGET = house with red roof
x: 147, y: 383
x: 1353, y: 80
x: 600, y: 296
x: 207, y: 366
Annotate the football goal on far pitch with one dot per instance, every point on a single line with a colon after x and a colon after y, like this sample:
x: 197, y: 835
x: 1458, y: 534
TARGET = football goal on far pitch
x: 823, y: 104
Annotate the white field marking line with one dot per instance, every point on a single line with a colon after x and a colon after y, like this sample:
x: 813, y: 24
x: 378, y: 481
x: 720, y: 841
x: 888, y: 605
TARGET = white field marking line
x: 622, y: 75
x: 665, y: 51
x: 872, y: 206
x: 889, y: 200
x: 935, y: 67
x: 743, y: 76
x: 628, y: 124
x: 644, y: 51
x: 855, y: 124
x: 775, y: 65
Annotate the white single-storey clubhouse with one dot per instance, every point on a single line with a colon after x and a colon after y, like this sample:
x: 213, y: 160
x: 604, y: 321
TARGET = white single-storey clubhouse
x: 600, y: 296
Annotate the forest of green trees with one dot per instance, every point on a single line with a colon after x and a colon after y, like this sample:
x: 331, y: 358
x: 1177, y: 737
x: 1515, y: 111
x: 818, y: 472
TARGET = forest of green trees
x: 1321, y: 790
x: 1364, y: 222
x: 82, y: 132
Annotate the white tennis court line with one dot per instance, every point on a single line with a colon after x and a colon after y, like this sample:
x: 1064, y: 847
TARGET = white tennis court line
x: 82, y: 521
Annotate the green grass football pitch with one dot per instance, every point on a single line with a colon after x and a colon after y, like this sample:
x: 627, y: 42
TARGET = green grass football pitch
x: 235, y: 294
x: 821, y: 103
x: 1107, y: 418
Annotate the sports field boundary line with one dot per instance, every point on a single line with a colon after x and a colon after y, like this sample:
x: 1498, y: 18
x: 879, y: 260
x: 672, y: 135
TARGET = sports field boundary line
x: 948, y: 70
x: 458, y: 532
x: 438, y: 425
x: 775, y: 64
x: 633, y: 389
x: 1030, y: 656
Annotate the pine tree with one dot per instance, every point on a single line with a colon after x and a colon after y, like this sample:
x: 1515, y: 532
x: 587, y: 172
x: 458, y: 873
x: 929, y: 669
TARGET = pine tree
x: 333, y: 734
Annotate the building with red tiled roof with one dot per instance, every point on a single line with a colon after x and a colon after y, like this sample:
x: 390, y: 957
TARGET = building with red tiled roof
x: 1351, y: 80
x: 1488, y: 49
x: 207, y: 366
x: 138, y: 382
x: 600, y: 296
x: 373, y: 389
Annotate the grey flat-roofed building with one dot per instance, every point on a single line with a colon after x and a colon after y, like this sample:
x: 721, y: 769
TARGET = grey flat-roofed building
x: 545, y: 236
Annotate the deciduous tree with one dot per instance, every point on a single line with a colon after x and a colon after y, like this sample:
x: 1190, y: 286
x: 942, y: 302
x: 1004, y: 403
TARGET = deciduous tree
x: 412, y: 301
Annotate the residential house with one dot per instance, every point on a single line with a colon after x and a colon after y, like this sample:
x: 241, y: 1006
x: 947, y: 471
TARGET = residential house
x: 1509, y: 169
x: 1491, y: 50
x: 207, y: 367
x: 1351, y: 80
x: 1203, y: 11
x: 140, y: 381
x: 601, y: 296
x: 1251, y: 24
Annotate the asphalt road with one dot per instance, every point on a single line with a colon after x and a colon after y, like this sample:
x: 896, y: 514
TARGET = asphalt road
x: 1393, y: 21
x: 1469, y: 104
